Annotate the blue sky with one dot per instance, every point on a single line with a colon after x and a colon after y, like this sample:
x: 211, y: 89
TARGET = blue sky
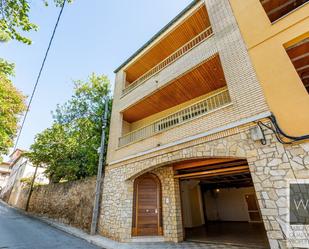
x: 93, y: 36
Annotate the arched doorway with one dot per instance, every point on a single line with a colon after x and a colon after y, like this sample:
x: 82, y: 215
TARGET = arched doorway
x: 147, y: 207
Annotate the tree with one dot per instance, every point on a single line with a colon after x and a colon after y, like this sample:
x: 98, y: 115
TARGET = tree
x: 69, y: 148
x: 6, y: 68
x: 15, y: 19
x: 12, y: 105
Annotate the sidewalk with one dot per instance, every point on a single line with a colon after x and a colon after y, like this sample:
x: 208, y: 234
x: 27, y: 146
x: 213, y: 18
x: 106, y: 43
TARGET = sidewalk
x: 111, y: 244
x: 106, y: 243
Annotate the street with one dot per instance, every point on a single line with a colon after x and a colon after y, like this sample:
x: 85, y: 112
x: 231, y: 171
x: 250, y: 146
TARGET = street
x: 21, y: 232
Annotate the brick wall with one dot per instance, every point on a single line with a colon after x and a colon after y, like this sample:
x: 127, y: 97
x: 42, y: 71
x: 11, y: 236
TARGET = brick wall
x: 242, y: 83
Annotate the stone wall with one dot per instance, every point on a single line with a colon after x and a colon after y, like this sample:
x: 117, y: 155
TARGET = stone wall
x: 271, y: 166
x: 70, y: 202
x: 22, y: 198
x: 5, y: 194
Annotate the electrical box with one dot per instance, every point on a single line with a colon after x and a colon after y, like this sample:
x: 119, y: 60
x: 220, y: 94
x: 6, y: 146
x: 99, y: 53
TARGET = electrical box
x: 256, y: 133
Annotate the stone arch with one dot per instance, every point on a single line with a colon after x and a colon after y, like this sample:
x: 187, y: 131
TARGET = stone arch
x: 232, y: 147
x: 269, y: 165
x: 152, y: 168
x: 235, y: 146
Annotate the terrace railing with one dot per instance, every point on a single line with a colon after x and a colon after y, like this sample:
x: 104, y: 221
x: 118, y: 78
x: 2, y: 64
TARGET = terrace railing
x: 205, y: 106
x: 170, y: 59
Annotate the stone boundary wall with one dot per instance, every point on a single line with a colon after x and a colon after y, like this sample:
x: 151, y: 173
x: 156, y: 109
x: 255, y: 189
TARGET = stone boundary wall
x: 5, y: 195
x: 22, y: 198
x: 70, y: 202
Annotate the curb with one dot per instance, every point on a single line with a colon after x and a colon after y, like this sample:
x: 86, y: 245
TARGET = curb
x: 96, y: 240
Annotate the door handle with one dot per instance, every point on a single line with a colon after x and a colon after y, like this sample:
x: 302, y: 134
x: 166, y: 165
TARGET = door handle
x: 156, y: 211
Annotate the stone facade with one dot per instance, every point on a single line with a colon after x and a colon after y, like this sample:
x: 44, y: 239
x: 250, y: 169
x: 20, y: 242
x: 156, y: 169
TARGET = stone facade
x: 271, y: 166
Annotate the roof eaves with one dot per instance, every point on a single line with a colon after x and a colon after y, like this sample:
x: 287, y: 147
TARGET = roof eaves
x: 175, y: 19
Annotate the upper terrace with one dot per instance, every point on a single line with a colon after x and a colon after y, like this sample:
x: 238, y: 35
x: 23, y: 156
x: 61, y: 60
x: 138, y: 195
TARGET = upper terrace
x: 189, y: 80
x: 176, y: 77
x: 186, y: 31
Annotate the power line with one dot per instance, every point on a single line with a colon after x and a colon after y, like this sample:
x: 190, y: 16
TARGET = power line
x: 39, y: 75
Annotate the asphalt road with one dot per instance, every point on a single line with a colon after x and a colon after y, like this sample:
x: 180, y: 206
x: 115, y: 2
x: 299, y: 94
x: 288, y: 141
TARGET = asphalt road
x: 18, y: 231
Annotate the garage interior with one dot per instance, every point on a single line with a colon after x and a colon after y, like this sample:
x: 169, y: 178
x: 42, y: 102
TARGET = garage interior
x: 219, y: 203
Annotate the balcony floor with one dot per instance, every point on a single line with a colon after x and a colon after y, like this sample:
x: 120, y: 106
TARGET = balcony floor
x: 203, y: 79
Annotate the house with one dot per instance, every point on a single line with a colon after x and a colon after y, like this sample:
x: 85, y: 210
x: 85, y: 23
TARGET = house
x: 209, y: 125
x: 22, y: 170
x: 4, y: 174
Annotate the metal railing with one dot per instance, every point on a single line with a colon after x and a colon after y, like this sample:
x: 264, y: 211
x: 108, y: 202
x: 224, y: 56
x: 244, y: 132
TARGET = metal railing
x: 169, y: 60
x: 211, y: 103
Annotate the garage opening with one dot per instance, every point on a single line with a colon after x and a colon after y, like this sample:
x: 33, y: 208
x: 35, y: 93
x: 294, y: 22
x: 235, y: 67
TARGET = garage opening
x: 219, y: 203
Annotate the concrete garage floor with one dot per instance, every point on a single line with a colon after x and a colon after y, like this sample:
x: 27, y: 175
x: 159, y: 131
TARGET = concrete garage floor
x: 238, y: 233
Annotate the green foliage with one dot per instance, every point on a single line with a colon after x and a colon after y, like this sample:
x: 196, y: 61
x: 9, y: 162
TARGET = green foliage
x: 6, y: 68
x: 4, y: 36
x: 15, y: 19
x: 27, y: 182
x: 12, y: 105
x: 69, y: 148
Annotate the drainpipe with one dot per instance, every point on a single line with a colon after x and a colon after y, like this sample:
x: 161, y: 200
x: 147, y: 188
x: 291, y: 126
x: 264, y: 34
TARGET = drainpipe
x: 100, y: 174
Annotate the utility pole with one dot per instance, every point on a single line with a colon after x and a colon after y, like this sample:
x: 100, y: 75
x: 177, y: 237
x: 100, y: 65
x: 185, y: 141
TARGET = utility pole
x: 100, y: 174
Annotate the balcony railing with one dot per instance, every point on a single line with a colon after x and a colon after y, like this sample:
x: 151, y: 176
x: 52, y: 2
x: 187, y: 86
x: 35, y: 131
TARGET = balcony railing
x: 169, y: 60
x: 211, y: 103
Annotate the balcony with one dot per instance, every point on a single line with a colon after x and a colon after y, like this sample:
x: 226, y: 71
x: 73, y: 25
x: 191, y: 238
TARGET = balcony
x: 207, y: 33
x: 209, y: 104
x: 171, y: 43
x: 276, y: 9
x: 299, y: 56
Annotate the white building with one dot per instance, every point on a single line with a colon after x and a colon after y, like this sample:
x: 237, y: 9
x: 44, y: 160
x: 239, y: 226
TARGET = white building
x: 21, y: 170
x: 4, y: 174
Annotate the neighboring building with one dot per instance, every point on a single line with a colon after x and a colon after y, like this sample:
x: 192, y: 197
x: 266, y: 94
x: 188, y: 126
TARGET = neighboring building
x: 189, y: 148
x: 276, y: 34
x: 21, y: 170
x: 4, y: 174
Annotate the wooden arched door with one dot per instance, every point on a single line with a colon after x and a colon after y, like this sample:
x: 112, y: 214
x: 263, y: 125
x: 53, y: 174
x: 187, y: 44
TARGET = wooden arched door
x: 147, y: 211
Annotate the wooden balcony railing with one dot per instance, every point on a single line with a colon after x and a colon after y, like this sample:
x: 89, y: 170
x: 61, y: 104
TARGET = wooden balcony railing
x: 207, y: 105
x: 169, y: 60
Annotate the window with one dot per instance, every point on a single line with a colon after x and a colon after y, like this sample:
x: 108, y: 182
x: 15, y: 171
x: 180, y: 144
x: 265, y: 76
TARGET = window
x: 299, y: 55
x: 278, y: 8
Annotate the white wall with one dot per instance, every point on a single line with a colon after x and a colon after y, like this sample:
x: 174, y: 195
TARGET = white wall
x: 228, y: 204
x: 192, y: 205
x: 3, y: 180
x: 22, y: 168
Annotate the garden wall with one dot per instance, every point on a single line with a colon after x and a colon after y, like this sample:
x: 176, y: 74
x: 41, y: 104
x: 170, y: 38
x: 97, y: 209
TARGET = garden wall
x: 70, y: 203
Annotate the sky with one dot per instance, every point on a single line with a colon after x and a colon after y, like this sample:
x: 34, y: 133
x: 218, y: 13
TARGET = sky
x: 92, y: 36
